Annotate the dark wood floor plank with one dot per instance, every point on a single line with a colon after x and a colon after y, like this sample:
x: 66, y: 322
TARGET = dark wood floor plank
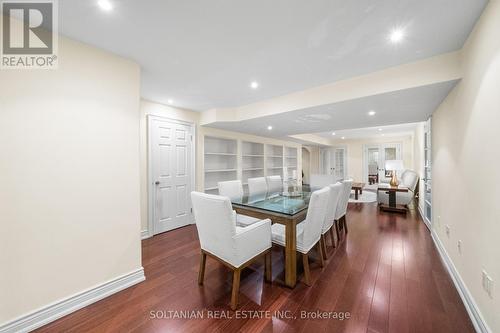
x: 386, y: 273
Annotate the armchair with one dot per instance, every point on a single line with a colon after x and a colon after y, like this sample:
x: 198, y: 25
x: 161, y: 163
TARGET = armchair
x: 221, y: 239
x: 409, y: 179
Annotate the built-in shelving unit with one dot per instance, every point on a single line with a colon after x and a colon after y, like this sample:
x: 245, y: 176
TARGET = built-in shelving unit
x: 274, y: 160
x: 220, y: 161
x: 230, y: 159
x: 252, y: 160
x: 291, y: 162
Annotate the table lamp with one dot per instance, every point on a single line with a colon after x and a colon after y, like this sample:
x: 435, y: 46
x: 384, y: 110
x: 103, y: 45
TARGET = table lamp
x: 393, y: 166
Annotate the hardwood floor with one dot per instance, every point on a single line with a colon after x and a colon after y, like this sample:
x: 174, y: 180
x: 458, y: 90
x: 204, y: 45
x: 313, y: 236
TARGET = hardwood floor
x: 387, y: 274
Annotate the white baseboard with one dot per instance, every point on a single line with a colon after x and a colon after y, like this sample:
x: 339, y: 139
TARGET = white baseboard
x: 145, y: 234
x: 470, y: 305
x: 423, y: 217
x: 68, y: 305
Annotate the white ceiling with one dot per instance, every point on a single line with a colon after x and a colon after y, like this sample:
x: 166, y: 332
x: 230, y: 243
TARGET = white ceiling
x: 371, y: 132
x: 204, y: 54
x: 397, y: 107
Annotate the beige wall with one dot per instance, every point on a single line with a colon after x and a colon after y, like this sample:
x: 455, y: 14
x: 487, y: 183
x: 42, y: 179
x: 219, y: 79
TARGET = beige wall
x: 69, y: 175
x: 355, y: 153
x: 466, y: 159
x: 150, y: 108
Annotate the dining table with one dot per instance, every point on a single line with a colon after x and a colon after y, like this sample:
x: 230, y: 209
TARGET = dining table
x: 286, y: 208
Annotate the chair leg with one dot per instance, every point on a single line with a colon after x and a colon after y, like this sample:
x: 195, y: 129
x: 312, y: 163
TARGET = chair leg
x: 236, y: 288
x: 337, y: 230
x: 323, y: 246
x: 344, y: 220
x: 331, y: 236
x: 320, y: 245
x: 268, y: 267
x: 307, y: 273
x: 201, y: 273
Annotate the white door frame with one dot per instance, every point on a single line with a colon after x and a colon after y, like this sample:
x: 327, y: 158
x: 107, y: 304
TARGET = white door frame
x: 151, y: 181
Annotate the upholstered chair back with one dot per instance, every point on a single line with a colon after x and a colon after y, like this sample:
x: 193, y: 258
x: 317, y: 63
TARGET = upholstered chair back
x: 215, y: 221
x: 319, y: 181
x: 233, y: 189
x: 257, y: 185
x: 274, y: 184
x: 409, y: 178
x: 315, y: 216
x: 344, y: 199
x: 336, y: 191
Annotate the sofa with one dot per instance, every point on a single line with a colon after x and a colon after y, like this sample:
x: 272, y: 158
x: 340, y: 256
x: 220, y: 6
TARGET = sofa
x: 409, y: 179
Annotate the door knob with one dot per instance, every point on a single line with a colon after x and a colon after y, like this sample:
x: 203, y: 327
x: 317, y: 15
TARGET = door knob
x: 157, y: 182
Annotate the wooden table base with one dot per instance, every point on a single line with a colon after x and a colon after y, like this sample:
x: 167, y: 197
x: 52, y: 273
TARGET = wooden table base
x: 290, y: 223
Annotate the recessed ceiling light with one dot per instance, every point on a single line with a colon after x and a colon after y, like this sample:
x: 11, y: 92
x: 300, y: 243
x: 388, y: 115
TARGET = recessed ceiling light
x: 105, y: 5
x: 382, y: 134
x: 269, y: 127
x: 343, y: 138
x: 371, y: 113
x: 396, y: 35
x: 379, y: 129
x: 254, y: 85
x: 334, y: 133
x: 169, y: 101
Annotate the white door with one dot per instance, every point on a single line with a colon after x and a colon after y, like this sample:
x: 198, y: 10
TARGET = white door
x: 388, y: 151
x: 333, y: 162
x: 171, y: 171
x: 372, y: 165
x: 374, y: 159
x: 427, y: 173
x: 339, y: 163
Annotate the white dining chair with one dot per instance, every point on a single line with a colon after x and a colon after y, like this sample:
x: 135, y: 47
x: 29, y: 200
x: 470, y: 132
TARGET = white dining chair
x: 336, y: 191
x: 318, y: 181
x: 308, y: 233
x: 257, y: 185
x: 341, y: 211
x: 233, y: 189
x: 274, y: 184
x: 221, y: 239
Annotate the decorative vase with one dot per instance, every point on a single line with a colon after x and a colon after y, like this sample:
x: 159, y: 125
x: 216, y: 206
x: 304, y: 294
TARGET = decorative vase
x: 394, y: 179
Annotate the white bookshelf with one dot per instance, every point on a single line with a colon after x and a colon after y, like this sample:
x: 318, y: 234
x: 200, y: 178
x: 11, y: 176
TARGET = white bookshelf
x: 274, y: 160
x: 291, y: 161
x: 220, y: 161
x: 230, y: 159
x: 252, y: 160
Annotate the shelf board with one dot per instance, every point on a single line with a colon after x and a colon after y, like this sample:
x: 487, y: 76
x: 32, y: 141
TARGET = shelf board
x: 211, y: 188
x: 275, y: 167
x: 221, y: 170
x: 275, y: 156
x: 253, y: 169
x: 252, y: 155
x: 221, y: 154
x: 292, y: 166
x: 291, y: 156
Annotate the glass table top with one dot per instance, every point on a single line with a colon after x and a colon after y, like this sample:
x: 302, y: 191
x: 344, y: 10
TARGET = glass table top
x: 289, y: 203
